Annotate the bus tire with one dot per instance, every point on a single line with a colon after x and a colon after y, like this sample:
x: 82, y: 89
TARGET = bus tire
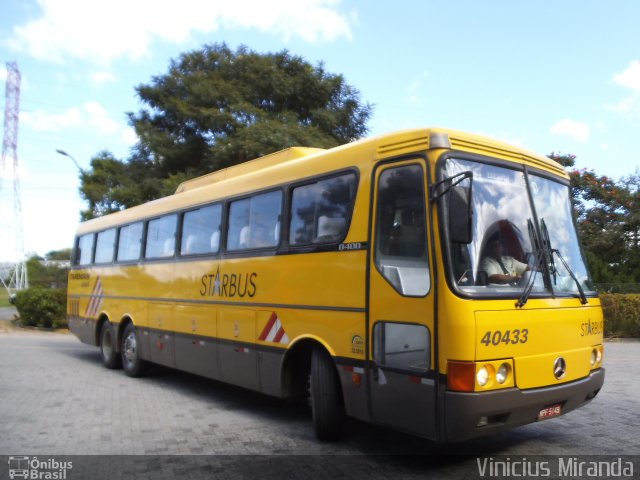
x: 326, y: 404
x: 110, y: 357
x: 132, y: 364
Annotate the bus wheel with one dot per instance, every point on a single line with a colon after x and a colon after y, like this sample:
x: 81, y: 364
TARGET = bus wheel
x: 132, y: 364
x: 110, y: 357
x: 326, y: 402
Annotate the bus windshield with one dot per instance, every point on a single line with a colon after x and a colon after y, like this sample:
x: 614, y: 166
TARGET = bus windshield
x: 508, y: 251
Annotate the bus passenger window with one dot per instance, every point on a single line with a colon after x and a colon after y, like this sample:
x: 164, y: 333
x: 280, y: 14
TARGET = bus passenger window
x: 320, y: 210
x: 401, y: 246
x: 84, y: 250
x: 402, y: 345
x: 105, y: 246
x: 201, y: 230
x: 255, y: 222
x: 130, y: 242
x: 161, y: 237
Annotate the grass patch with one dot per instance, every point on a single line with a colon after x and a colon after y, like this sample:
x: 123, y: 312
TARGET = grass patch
x: 4, y: 299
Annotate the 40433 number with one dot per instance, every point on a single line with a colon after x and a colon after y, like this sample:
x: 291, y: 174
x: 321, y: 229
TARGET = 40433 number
x: 508, y: 337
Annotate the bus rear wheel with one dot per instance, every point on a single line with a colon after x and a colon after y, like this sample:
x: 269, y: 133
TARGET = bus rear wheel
x: 110, y: 357
x: 132, y: 364
x: 326, y: 404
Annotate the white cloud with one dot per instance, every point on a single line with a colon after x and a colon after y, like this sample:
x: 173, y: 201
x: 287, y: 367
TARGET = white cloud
x: 570, y: 128
x: 43, y: 121
x: 630, y: 77
x: 104, y: 31
x: 98, y: 117
x: 100, y: 78
x: 415, y: 89
x: 129, y: 136
x: 90, y: 114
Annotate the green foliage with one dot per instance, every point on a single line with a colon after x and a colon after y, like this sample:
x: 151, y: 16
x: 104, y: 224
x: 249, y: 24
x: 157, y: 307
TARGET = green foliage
x: 622, y: 314
x: 216, y: 108
x: 608, y: 217
x: 111, y: 184
x: 564, y: 159
x: 42, y: 307
x: 609, y: 223
x: 59, y: 255
x: 45, y: 275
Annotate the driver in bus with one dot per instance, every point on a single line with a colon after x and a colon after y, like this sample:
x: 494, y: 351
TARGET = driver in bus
x: 501, y: 269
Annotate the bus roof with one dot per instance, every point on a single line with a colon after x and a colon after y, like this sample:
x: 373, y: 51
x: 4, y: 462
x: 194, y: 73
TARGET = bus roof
x: 249, y: 166
x: 299, y: 162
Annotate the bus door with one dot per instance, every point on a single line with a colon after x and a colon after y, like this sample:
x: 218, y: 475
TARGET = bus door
x: 401, y: 318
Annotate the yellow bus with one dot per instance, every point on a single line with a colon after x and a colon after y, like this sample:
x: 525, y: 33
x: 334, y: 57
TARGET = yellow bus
x: 427, y: 280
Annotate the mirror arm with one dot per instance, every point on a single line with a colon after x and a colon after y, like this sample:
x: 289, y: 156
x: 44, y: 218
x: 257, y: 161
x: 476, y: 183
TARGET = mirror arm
x: 436, y: 191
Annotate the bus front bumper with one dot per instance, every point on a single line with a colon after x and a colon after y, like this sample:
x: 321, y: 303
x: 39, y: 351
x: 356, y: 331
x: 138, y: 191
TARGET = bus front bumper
x: 470, y: 415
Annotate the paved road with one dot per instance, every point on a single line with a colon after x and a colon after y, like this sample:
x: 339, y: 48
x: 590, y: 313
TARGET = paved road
x: 7, y: 313
x: 56, y: 400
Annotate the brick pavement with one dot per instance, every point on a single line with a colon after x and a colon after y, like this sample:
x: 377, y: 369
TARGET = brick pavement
x: 56, y: 399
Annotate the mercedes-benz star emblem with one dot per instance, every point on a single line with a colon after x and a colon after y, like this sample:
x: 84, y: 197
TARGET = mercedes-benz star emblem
x: 559, y: 368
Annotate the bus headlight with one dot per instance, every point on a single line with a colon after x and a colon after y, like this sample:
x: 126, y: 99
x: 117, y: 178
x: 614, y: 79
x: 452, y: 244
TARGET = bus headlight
x: 503, y: 373
x: 482, y: 376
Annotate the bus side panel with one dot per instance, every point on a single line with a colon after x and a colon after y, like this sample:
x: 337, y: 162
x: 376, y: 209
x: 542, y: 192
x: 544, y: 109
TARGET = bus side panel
x: 161, y: 335
x: 195, y: 344
x: 83, y: 328
x: 82, y: 305
x: 270, y: 368
x: 237, y: 355
x: 354, y: 389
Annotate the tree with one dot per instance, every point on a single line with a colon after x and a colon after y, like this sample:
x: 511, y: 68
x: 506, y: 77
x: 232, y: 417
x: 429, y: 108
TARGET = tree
x: 43, y: 275
x: 608, y: 217
x: 111, y: 184
x: 216, y: 108
x: 59, y: 255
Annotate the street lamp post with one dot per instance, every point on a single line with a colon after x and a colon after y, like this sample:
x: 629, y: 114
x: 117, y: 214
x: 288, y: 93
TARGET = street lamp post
x: 62, y: 152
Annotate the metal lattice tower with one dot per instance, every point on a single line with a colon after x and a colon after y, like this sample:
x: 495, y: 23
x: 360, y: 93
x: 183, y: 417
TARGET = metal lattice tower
x: 12, y: 241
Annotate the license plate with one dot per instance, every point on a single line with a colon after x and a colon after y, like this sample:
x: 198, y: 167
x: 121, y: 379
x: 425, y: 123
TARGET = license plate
x: 550, y: 411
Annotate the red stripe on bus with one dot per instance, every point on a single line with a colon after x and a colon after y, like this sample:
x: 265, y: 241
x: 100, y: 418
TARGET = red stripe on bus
x: 279, y: 335
x: 268, y: 326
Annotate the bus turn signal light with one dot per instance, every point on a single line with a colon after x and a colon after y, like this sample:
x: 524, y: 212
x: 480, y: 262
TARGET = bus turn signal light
x: 461, y: 376
x: 596, y: 356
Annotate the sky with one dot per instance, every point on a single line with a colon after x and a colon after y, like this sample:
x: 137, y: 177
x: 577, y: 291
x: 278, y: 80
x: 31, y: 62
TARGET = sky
x: 548, y: 76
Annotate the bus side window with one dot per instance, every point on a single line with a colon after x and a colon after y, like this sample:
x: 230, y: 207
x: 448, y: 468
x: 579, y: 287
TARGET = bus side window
x: 255, y: 222
x: 401, y: 246
x: 130, y: 242
x: 402, y: 345
x: 320, y: 210
x: 84, y: 250
x: 161, y: 237
x: 201, y: 230
x: 105, y: 245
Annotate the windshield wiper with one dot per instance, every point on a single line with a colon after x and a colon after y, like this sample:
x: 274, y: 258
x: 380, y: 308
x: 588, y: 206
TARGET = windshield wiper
x: 583, y: 297
x: 552, y: 266
x: 539, y: 255
x: 546, y: 246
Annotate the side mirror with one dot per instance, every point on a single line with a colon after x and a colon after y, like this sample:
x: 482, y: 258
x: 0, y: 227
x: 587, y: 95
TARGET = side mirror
x: 460, y: 214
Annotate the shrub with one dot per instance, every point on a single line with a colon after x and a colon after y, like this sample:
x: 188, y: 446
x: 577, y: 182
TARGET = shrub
x: 621, y: 314
x: 42, y: 307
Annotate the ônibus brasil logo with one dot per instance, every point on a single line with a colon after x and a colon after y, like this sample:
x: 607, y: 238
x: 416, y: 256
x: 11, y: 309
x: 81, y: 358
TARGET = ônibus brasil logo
x: 33, y: 468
